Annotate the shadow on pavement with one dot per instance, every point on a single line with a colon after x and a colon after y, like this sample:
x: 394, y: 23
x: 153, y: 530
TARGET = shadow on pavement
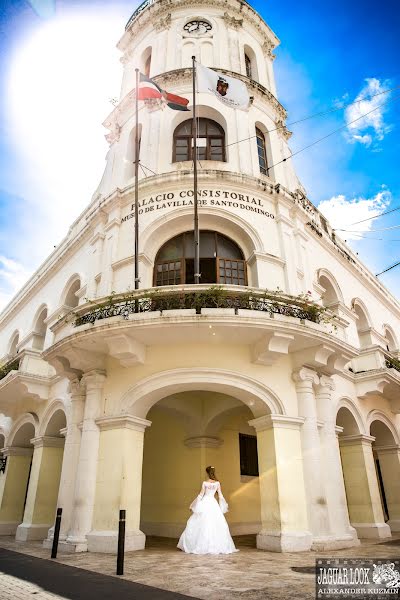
x: 75, y: 584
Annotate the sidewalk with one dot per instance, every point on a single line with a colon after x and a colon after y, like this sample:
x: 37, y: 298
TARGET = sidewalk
x: 23, y: 576
x: 250, y: 574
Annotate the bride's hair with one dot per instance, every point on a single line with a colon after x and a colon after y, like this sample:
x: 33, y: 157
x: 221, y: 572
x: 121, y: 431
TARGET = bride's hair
x: 211, y: 473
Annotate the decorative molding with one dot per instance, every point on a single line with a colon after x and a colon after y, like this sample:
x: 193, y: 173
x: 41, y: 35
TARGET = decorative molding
x: 357, y: 439
x: 17, y: 451
x: 203, y: 441
x: 276, y: 421
x: 232, y: 22
x: 305, y: 377
x: 163, y: 23
x: 46, y: 441
x: 268, y: 47
x: 122, y: 422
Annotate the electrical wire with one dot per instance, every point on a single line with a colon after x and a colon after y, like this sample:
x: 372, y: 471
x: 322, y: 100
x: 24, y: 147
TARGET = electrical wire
x: 372, y: 230
x: 319, y: 114
x: 369, y: 218
x: 333, y: 132
x: 388, y: 269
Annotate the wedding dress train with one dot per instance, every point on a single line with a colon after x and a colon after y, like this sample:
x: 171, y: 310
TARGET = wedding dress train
x: 207, y: 531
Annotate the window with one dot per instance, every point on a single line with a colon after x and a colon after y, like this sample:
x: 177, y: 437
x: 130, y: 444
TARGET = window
x: 248, y: 455
x: 262, y: 155
x: 221, y: 260
x: 147, y: 66
x: 210, y: 141
x: 247, y: 61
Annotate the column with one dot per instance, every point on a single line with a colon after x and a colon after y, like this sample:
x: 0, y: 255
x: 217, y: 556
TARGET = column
x: 283, y: 498
x: 70, y: 461
x: 13, y: 488
x: 119, y: 483
x: 85, y: 485
x: 345, y: 535
x: 305, y: 380
x: 363, y: 499
x: 43, y: 488
x: 389, y: 462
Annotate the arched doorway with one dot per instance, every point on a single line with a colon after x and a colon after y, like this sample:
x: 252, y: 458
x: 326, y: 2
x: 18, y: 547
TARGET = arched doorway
x: 44, y: 482
x: 221, y: 260
x: 189, y: 431
x: 387, y: 464
x: 361, y: 484
x: 15, y: 479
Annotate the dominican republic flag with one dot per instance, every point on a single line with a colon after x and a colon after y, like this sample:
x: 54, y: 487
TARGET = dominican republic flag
x: 149, y: 90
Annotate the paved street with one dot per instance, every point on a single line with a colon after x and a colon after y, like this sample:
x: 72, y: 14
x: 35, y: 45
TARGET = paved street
x: 22, y: 577
x: 161, y: 572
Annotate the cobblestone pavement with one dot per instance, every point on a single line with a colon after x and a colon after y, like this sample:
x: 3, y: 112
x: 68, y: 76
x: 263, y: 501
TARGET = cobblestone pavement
x: 248, y: 574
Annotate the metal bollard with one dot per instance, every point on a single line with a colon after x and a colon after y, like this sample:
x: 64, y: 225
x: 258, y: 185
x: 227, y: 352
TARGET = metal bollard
x: 57, y: 527
x: 121, y: 542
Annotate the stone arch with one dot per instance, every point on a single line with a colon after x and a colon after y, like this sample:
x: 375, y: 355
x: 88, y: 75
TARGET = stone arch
x: 19, y: 431
x: 39, y: 327
x: 391, y: 338
x: 350, y: 419
x: 145, y: 61
x: 51, y: 418
x: 250, y: 59
x: 364, y: 323
x: 68, y: 296
x: 202, y: 111
x: 377, y: 416
x: 13, y: 343
x: 258, y: 397
x: 333, y: 293
x: 259, y: 125
x: 215, y: 219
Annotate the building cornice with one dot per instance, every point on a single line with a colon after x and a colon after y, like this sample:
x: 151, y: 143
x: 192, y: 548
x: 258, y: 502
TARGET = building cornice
x: 157, y: 10
x: 125, y: 108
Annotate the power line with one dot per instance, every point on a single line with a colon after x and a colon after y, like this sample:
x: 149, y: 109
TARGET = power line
x: 333, y: 132
x: 388, y: 269
x: 361, y: 237
x: 369, y: 218
x: 372, y: 230
x: 326, y: 112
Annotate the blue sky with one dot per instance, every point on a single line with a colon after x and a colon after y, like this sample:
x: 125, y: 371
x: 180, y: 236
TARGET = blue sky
x: 59, y: 68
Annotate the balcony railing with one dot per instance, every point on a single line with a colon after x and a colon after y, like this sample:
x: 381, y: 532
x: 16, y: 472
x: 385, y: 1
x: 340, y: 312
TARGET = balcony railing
x: 214, y: 297
x: 11, y: 365
x: 392, y: 363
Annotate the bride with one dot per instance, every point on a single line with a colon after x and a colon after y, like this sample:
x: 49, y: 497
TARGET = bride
x: 207, y: 531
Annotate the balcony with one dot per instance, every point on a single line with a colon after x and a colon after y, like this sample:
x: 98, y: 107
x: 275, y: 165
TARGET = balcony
x: 272, y: 324
x: 377, y: 373
x: 25, y: 375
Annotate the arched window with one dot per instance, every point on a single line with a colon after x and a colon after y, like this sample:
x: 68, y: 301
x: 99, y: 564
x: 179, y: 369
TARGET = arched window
x: 13, y: 344
x: 262, y: 152
x: 39, y: 330
x: 247, y: 61
x: 146, y: 62
x: 71, y: 299
x: 221, y: 260
x: 210, y: 142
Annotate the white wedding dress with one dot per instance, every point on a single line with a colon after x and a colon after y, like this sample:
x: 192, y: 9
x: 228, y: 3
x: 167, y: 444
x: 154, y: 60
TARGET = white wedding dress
x: 207, y: 531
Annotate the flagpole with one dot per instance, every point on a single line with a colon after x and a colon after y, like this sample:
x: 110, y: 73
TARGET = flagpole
x: 197, y: 274
x: 137, y: 150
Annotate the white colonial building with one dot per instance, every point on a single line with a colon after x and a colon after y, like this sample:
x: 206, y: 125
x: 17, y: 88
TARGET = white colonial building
x: 115, y: 399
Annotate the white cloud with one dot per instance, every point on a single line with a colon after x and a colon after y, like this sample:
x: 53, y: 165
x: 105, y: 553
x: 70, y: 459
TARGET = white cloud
x: 12, y: 277
x: 372, y: 127
x: 342, y: 213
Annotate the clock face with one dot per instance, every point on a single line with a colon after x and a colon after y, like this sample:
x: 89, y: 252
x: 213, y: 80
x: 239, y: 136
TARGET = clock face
x: 197, y: 26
